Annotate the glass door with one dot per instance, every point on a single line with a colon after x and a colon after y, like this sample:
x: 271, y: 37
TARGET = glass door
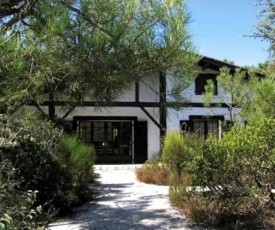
x: 111, y: 139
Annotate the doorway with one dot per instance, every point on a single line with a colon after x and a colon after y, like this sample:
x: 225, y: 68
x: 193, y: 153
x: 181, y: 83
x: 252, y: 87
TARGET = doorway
x: 119, y: 141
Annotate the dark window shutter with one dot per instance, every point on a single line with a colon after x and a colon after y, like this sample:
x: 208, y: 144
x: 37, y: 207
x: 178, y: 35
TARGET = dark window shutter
x: 201, y: 82
x: 141, y: 141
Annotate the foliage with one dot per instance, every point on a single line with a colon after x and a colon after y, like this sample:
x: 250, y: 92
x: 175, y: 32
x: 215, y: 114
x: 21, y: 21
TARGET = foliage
x: 233, y: 178
x: 38, y: 128
x: 236, y: 91
x: 172, y: 152
x: 36, y: 169
x: 179, y: 149
x: 264, y: 67
x: 33, y: 145
x: 17, y: 209
x: 31, y: 154
x: 71, y: 50
x: 248, y: 95
x: 263, y: 99
x: 153, y: 172
x: 77, y: 159
x: 228, y: 61
x: 265, y: 27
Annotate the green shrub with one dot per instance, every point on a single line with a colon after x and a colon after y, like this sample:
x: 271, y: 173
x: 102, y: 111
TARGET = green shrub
x: 37, y: 170
x: 57, y: 166
x: 233, y: 179
x: 242, y: 164
x: 172, y: 153
x: 17, y: 209
x: 36, y: 127
x: 78, y: 159
x: 30, y: 143
x: 179, y: 149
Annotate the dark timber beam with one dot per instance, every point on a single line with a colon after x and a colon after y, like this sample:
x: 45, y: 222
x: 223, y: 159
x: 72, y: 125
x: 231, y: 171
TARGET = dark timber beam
x: 151, y: 118
x: 137, y: 91
x: 129, y: 104
x: 38, y: 107
x: 163, y: 104
x: 68, y: 112
x: 101, y: 104
x: 51, y: 106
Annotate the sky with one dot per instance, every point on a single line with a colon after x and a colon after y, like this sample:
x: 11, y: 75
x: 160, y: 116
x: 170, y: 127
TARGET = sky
x: 221, y: 30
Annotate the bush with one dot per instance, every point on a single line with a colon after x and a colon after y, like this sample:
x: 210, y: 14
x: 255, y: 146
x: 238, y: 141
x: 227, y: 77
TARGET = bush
x: 39, y: 153
x: 29, y: 145
x: 178, y: 151
x: 153, y: 172
x: 32, y: 126
x: 173, y: 151
x: 17, y: 209
x: 37, y: 170
x: 77, y: 158
x: 234, y: 178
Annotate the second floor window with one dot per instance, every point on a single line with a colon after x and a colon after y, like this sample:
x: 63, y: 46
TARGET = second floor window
x: 201, y: 82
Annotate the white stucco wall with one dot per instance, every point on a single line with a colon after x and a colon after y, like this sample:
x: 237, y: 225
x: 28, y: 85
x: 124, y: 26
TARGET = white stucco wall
x: 189, y: 92
x: 149, y: 89
x: 128, y: 94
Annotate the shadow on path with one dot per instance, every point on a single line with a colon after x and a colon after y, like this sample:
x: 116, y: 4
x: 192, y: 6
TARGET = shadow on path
x: 124, y: 203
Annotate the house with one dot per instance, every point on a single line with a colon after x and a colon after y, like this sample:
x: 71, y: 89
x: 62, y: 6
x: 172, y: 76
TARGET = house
x: 130, y: 129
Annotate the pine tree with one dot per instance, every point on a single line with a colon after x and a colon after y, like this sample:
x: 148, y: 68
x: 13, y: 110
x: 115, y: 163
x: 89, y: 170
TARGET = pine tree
x: 265, y: 29
x: 71, y: 50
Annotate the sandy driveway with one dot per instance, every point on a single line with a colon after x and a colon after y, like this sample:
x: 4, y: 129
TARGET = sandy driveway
x: 125, y: 204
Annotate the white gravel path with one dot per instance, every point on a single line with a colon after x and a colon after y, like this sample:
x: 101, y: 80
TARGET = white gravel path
x: 125, y: 203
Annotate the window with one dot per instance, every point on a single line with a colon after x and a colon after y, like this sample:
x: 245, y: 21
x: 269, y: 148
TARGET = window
x: 201, y: 82
x: 108, y: 137
x: 203, y: 126
x: 99, y: 131
x: 85, y: 131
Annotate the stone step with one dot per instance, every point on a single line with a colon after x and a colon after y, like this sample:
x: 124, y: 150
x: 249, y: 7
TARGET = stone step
x: 99, y: 167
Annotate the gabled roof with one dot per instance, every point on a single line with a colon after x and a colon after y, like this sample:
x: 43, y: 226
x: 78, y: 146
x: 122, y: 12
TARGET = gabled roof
x: 211, y: 63
x: 214, y: 64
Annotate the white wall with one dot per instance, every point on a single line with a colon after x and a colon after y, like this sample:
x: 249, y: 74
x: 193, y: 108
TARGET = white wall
x: 128, y: 94
x: 149, y: 89
x: 174, y: 117
x: 189, y: 92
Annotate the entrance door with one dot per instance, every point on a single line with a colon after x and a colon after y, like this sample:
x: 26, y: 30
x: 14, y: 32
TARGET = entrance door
x: 141, y: 142
x: 112, y: 140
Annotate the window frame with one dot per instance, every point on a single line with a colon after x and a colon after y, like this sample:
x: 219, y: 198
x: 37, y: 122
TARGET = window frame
x: 188, y: 125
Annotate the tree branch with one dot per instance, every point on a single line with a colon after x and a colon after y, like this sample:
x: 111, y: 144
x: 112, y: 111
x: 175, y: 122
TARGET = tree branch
x: 88, y: 19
